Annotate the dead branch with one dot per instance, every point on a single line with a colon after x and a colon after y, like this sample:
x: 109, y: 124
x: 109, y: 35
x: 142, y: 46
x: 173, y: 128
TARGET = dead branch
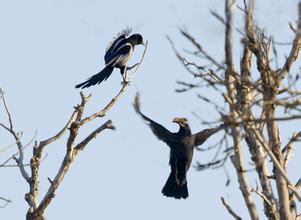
x: 288, y: 149
x: 3, y: 149
x: 17, y: 153
x: 6, y: 202
x: 294, y: 50
x: 201, y: 50
x: 218, y: 17
x: 230, y: 210
x: 103, y: 111
x: 137, y: 65
x: 17, y: 137
x: 244, y: 101
x: 210, y: 77
x: 81, y: 145
x: 237, y: 158
x: 265, y: 199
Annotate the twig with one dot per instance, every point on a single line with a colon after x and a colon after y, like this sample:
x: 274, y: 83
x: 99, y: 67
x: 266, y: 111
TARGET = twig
x: 106, y: 125
x: 7, y: 111
x: 17, y: 139
x: 200, y: 48
x: 7, y: 147
x: 25, y: 165
x: 50, y: 140
x: 289, y: 147
x: 294, y: 50
x: 138, y: 64
x: 265, y: 199
x: 103, y: 112
x: 230, y: 210
x: 14, y: 155
x: 292, y: 27
x: 7, y: 201
x: 218, y: 17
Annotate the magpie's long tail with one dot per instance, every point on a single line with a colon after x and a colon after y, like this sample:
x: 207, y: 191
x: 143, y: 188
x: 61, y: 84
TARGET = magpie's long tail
x: 97, y: 78
x: 173, y: 189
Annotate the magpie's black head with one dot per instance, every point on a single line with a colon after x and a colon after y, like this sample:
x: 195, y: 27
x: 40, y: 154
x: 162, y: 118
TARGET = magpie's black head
x: 136, y: 39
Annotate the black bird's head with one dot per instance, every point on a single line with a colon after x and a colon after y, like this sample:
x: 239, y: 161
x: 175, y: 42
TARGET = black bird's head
x: 182, y: 122
x: 136, y: 39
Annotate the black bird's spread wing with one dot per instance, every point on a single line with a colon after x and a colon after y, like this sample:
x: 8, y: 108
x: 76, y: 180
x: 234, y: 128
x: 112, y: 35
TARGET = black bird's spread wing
x: 161, y: 132
x: 202, y: 136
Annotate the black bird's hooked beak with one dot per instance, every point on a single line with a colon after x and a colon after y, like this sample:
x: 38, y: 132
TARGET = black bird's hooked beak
x: 181, y: 121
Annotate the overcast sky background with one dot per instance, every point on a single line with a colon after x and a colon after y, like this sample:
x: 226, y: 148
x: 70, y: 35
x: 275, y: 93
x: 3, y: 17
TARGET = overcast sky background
x: 49, y: 46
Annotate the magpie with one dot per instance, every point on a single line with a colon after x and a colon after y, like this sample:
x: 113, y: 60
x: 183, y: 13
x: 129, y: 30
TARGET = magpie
x: 117, y: 55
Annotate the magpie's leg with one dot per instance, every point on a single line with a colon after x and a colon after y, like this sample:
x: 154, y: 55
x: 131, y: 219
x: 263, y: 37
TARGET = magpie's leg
x: 123, y: 72
x: 131, y: 67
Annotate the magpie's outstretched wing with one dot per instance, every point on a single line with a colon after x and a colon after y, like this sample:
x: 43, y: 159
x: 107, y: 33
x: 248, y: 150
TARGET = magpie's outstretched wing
x: 114, y: 46
x: 161, y: 132
x: 202, y: 136
x: 120, y: 55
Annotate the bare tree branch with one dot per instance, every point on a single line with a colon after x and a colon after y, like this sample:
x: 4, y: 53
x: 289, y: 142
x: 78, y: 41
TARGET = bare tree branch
x: 266, y: 200
x: 237, y: 158
x: 16, y: 136
x: 201, y: 50
x: 230, y: 210
x: 294, y: 50
x: 103, y: 112
x: 6, y: 202
x: 81, y: 145
x: 137, y: 65
x: 288, y: 149
x: 244, y: 101
x: 218, y: 17
x: 14, y: 155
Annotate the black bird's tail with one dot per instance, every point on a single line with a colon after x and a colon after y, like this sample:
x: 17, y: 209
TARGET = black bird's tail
x: 97, y: 78
x: 172, y: 189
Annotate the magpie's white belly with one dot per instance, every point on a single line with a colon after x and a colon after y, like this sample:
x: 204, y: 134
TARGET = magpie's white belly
x: 122, y: 60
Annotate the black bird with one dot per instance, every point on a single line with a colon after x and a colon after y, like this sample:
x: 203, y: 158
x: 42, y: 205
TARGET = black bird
x: 117, y: 55
x: 181, y: 144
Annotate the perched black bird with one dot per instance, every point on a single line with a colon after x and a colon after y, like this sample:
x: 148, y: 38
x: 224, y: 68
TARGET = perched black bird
x: 181, y: 144
x: 117, y: 55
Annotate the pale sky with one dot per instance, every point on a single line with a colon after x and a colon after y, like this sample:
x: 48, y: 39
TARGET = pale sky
x: 49, y: 46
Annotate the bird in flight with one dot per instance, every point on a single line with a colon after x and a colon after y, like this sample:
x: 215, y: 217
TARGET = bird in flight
x: 117, y: 55
x: 181, y: 144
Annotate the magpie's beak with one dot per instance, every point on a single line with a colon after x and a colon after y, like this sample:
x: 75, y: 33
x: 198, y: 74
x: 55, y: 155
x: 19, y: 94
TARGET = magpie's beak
x: 144, y: 44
